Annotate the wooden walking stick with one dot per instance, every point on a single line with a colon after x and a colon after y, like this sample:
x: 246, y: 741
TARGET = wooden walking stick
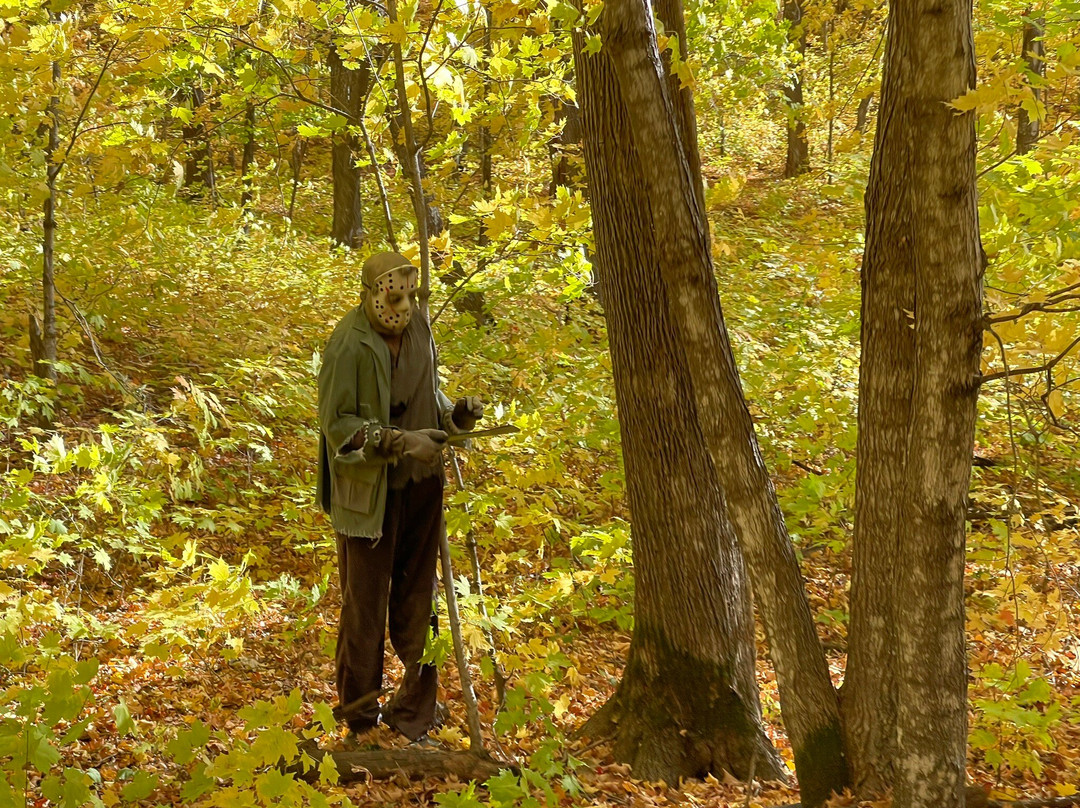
x: 476, y: 741
x: 478, y: 587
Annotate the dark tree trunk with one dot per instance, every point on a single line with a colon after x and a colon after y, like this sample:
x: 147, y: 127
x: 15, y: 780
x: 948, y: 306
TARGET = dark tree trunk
x: 798, y: 150
x: 568, y: 138
x: 687, y: 704
x: 1033, y: 51
x: 248, y: 158
x: 672, y: 193
x: 296, y: 162
x: 905, y: 696
x: 43, y: 349
x: 862, y: 115
x: 199, y: 165
x: 348, y: 92
x: 250, y: 144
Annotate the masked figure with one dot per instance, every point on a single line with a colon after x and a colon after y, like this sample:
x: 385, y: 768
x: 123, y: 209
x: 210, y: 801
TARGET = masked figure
x: 383, y: 421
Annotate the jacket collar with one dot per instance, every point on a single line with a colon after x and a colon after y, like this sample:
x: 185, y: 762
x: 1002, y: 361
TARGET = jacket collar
x: 370, y: 337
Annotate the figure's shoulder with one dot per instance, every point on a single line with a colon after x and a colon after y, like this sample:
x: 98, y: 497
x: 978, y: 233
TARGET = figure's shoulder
x: 349, y: 332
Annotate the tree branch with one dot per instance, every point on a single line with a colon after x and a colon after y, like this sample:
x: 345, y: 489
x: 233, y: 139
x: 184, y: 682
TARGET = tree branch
x: 1005, y: 374
x: 1055, y: 298
x: 85, y: 107
x: 390, y: 235
x: 1014, y: 152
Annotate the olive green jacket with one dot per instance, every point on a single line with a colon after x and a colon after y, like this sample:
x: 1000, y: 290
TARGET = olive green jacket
x: 354, y: 396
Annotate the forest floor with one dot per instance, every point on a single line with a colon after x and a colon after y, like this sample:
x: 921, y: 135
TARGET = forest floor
x: 206, y: 586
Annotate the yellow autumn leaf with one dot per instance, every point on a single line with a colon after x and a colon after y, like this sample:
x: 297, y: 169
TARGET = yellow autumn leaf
x: 441, y: 242
x: 499, y: 223
x: 1065, y: 789
x: 396, y: 32
x: 1056, y: 402
x: 686, y: 75
x: 986, y: 98
x: 561, y: 705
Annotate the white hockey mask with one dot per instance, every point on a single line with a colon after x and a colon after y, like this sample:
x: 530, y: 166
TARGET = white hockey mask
x: 390, y: 295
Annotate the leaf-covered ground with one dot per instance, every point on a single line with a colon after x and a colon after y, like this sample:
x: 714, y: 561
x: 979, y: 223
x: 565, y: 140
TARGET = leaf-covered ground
x: 168, y: 590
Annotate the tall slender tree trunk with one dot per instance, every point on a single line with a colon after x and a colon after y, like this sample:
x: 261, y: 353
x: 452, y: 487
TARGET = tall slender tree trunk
x: 862, y: 115
x: 43, y: 341
x: 832, y: 99
x: 798, y: 150
x: 199, y: 165
x: 905, y: 696
x: 570, y: 135
x: 250, y: 144
x: 411, y: 163
x: 1033, y: 51
x: 348, y: 91
x: 688, y: 703
x: 296, y: 163
x: 487, y: 140
x: 674, y: 193
x: 248, y: 157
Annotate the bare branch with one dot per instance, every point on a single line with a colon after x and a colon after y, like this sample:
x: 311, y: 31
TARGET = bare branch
x: 1004, y: 374
x: 1055, y: 298
x: 391, y: 237
x: 458, y: 289
x: 1014, y: 152
x: 85, y: 107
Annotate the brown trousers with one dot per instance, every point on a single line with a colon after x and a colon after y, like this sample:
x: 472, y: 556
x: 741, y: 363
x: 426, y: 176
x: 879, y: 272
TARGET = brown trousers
x: 396, y: 575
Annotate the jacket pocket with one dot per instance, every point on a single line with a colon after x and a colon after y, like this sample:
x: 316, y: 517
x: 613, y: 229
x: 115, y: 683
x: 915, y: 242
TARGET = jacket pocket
x: 356, y: 492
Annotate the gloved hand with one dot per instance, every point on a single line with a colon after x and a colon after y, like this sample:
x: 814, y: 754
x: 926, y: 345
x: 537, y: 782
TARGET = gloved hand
x: 467, y: 411
x: 423, y: 445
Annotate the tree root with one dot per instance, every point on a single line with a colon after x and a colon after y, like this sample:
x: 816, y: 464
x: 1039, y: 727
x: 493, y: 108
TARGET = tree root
x: 353, y: 766
x: 976, y: 798
x: 1055, y: 802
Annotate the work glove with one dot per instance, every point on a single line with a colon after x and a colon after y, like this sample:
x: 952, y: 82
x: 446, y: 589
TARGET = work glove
x: 467, y: 411
x: 423, y: 445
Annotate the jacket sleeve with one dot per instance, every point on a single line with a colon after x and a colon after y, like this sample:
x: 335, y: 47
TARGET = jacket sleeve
x: 344, y: 411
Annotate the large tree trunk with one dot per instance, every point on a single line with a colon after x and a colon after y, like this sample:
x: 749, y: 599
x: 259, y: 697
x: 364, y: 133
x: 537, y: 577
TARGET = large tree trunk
x: 673, y: 194
x: 798, y: 150
x: 905, y: 697
x: 1033, y: 51
x: 348, y: 91
x: 687, y: 704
